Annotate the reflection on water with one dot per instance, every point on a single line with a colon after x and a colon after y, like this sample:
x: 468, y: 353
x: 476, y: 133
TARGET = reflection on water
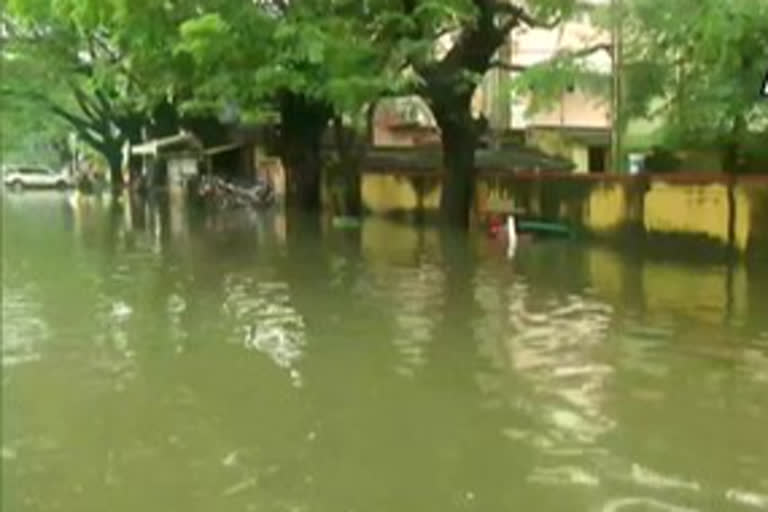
x: 155, y: 358
x: 414, y: 302
x: 572, y: 384
x: 23, y: 328
x: 265, y: 320
x: 551, y: 346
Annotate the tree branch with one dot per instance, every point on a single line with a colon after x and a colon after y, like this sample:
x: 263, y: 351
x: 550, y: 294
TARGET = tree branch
x: 276, y: 6
x: 106, y: 109
x: 102, y: 41
x: 409, y: 6
x: 520, y: 15
x: 568, y: 54
x: 583, y: 52
x: 507, y: 66
x: 84, y: 128
x: 84, y: 102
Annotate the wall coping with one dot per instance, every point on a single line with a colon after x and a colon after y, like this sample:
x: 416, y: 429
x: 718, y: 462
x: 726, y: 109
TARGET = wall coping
x: 689, y: 178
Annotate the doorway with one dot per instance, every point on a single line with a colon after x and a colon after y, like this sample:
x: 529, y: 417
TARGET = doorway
x: 596, y: 157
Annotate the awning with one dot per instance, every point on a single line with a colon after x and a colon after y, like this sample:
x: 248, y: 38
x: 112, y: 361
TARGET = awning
x: 222, y: 149
x: 153, y: 147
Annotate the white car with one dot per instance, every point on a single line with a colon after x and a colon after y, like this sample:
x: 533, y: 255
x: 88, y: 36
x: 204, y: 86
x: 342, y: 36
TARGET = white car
x: 31, y: 176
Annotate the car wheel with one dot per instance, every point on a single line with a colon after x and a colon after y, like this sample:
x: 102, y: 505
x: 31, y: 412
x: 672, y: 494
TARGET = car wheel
x: 61, y: 185
x: 17, y: 185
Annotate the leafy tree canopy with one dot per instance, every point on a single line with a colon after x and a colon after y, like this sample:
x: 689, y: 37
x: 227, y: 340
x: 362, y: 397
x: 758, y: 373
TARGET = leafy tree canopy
x: 323, y: 50
x: 705, y: 59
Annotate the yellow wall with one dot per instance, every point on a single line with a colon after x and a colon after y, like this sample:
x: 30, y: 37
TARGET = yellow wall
x: 696, y: 209
x: 602, y: 207
x: 384, y: 193
x: 491, y: 197
x: 432, y: 198
x: 606, y: 208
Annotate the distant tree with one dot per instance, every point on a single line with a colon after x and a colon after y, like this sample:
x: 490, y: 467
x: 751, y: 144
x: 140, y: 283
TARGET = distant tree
x: 50, y: 69
x: 697, y: 65
x: 104, y: 69
x: 302, y: 64
x: 29, y: 134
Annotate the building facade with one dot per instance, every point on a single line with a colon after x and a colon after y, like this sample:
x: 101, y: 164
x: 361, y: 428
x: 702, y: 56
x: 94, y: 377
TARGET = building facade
x: 577, y: 125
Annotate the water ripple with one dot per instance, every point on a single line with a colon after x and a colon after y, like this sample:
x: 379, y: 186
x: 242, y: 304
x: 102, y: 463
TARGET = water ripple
x: 645, y: 504
x: 266, y: 321
x: 24, y: 329
x: 750, y: 499
x: 553, y: 351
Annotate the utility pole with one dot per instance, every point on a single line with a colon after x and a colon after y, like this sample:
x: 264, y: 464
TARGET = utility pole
x: 617, y: 86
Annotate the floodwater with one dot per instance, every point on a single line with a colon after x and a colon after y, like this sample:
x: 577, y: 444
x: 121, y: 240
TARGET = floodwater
x: 155, y: 360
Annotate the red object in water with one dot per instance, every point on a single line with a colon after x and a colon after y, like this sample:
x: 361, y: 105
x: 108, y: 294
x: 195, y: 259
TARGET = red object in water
x: 495, y: 225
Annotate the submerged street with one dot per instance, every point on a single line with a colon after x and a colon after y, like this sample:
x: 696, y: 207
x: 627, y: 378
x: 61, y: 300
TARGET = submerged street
x: 159, y: 360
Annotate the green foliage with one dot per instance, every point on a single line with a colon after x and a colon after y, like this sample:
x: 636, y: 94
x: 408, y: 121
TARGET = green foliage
x: 705, y: 59
x: 696, y: 63
x: 28, y: 135
x: 322, y: 50
x: 545, y: 83
x: 36, y: 66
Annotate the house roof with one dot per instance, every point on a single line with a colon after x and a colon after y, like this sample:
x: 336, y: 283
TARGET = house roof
x: 588, y: 135
x: 222, y: 149
x: 510, y: 159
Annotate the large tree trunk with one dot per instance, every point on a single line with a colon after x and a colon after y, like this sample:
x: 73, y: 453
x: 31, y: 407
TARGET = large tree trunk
x: 459, y: 142
x: 350, y: 151
x: 458, y: 181
x: 448, y: 88
x: 303, y: 163
x: 353, y: 202
x: 303, y: 123
x: 114, y: 155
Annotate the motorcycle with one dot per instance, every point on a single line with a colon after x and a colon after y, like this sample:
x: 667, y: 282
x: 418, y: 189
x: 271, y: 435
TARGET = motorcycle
x: 226, y: 195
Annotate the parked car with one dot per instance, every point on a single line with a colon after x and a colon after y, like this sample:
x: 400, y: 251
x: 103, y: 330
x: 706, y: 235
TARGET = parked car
x: 29, y: 176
